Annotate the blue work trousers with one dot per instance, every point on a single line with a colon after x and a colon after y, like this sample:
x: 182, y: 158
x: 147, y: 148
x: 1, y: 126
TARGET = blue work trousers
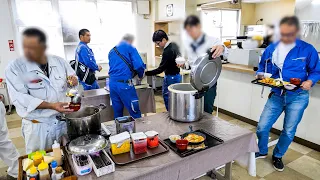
x: 209, y: 98
x: 86, y: 87
x: 124, y: 95
x: 167, y: 81
x: 293, y: 106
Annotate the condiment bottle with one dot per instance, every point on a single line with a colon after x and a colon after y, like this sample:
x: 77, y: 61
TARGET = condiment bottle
x: 57, y: 153
x: 59, y: 173
x: 54, y: 165
x: 33, y: 173
x: 37, y: 158
x: 44, y: 171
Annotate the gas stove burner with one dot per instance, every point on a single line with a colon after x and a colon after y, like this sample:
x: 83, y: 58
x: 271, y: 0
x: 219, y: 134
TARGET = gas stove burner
x: 82, y: 160
x: 82, y: 164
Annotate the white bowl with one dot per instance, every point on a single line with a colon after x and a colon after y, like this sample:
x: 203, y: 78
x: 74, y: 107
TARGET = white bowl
x: 180, y: 60
x: 174, y: 136
x: 267, y: 75
x: 290, y: 86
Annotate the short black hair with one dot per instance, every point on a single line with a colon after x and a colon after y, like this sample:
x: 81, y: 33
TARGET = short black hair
x: 82, y: 32
x: 192, y: 20
x: 34, y: 32
x: 291, y: 20
x: 159, y: 35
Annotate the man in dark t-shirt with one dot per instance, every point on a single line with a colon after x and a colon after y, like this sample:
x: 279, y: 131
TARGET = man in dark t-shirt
x: 168, y: 64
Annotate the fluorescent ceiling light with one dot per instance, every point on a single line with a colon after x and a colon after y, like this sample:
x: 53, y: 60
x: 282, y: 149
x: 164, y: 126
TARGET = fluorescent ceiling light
x: 258, y: 1
x: 315, y: 2
x: 215, y: 2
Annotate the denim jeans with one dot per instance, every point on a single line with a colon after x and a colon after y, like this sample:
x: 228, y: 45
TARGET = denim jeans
x: 167, y: 81
x: 293, y: 106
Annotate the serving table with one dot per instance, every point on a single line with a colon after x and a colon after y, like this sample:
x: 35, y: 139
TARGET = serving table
x: 97, y: 96
x: 238, y: 142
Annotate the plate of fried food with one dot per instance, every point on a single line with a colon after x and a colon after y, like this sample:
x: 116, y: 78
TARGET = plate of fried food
x: 194, y: 138
x: 273, y: 82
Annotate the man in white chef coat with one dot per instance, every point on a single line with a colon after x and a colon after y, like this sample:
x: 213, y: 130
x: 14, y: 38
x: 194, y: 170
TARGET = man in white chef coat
x: 37, y: 85
x: 197, y: 43
x: 8, y: 152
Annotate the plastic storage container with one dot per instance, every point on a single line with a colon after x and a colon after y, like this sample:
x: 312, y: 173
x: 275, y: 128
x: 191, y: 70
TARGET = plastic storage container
x: 152, y: 139
x: 120, y: 143
x: 44, y: 171
x: 139, y: 142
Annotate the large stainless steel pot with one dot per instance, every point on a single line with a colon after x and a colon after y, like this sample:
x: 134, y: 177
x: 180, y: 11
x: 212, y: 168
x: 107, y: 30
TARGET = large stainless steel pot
x: 186, y: 101
x: 85, y: 121
x: 184, y: 106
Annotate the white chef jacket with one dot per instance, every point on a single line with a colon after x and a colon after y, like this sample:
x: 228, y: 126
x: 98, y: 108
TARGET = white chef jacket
x: 26, y: 94
x: 8, y: 152
x: 202, y: 49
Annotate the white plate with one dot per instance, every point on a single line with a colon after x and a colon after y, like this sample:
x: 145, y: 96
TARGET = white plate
x: 290, y: 86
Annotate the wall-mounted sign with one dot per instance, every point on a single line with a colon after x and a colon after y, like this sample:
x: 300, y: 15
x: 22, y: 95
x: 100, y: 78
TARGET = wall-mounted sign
x: 169, y: 10
x: 11, y: 45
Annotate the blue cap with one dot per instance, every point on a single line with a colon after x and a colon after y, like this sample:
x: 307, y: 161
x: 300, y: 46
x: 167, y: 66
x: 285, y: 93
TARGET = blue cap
x: 54, y: 164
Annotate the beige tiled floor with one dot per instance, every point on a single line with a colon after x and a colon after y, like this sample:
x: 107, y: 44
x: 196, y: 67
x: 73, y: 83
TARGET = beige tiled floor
x: 302, y: 163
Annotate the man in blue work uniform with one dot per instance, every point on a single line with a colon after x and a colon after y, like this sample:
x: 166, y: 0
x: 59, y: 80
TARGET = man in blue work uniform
x: 122, y: 91
x: 289, y: 58
x: 85, y: 55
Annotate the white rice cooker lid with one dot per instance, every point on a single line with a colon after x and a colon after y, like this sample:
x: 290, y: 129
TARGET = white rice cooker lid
x: 205, y: 72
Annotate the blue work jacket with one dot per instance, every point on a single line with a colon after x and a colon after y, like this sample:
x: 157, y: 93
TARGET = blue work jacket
x: 85, y: 55
x: 301, y: 62
x: 119, y: 70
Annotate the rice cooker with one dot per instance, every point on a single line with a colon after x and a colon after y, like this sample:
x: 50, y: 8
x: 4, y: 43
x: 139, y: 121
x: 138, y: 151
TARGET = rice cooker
x: 186, y: 100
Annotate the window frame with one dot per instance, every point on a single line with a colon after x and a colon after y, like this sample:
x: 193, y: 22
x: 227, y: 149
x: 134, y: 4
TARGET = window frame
x: 58, y: 25
x: 220, y: 26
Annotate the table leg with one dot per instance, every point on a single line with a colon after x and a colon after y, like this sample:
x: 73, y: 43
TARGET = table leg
x: 154, y: 78
x: 252, y: 164
x: 227, y: 175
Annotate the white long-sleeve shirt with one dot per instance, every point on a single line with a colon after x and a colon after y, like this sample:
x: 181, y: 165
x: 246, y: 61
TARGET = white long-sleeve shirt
x: 28, y: 87
x: 203, y: 43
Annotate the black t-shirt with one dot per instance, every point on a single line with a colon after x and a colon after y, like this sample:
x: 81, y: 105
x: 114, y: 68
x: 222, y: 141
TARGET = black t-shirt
x: 168, y: 62
x: 45, y: 69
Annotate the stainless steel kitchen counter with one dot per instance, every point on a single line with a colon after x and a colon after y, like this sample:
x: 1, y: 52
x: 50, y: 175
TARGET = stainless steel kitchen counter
x: 169, y: 166
x: 97, y: 96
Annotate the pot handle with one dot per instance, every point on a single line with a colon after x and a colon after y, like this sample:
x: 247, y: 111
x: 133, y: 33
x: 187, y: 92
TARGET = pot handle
x: 210, y: 54
x: 60, y: 118
x: 102, y: 106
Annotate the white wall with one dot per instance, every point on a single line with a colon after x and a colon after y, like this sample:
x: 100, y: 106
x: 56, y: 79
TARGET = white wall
x: 178, y: 9
x: 7, y: 33
x: 272, y: 12
x: 309, y: 11
x: 144, y: 32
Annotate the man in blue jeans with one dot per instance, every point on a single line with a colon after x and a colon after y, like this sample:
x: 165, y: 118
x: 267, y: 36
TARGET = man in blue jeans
x: 168, y: 63
x: 289, y: 58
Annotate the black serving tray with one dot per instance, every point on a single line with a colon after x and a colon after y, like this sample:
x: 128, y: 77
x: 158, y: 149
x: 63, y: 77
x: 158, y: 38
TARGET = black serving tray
x: 256, y: 81
x: 210, y: 142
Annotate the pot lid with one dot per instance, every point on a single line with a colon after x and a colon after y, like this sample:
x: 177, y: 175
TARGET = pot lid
x: 87, y: 144
x: 205, y: 72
